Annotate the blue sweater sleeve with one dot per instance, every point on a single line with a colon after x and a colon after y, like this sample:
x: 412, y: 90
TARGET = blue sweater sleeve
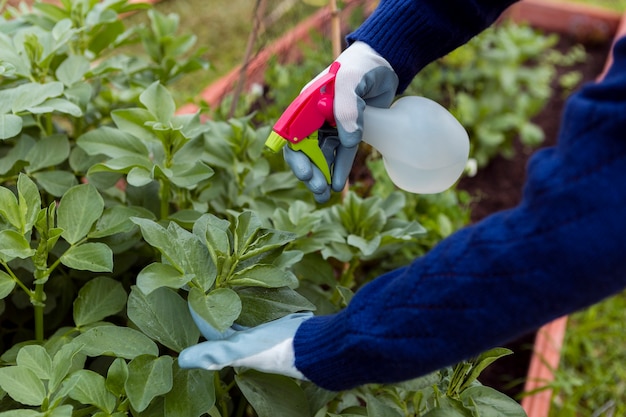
x: 410, y: 34
x: 561, y: 249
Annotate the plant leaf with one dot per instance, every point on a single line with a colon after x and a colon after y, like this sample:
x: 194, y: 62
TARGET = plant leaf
x: 9, y: 208
x: 148, y: 376
x: 78, y: 210
x: 105, y: 340
x: 117, y: 376
x: 29, y: 202
x: 273, y: 395
x: 111, y: 142
x: 159, y: 102
x: 90, y: 256
x: 97, y: 299
x: 487, y: 402
x: 164, y: 316
x: 6, y: 284
x: 23, y: 385
x: 57, y: 182
x: 260, y: 305
x: 192, y: 394
x: 72, y: 69
x: 267, y: 276
x: 157, y: 275
x: 10, y: 126
x: 35, y: 358
x: 220, y: 307
x: 89, y: 388
x: 14, y: 245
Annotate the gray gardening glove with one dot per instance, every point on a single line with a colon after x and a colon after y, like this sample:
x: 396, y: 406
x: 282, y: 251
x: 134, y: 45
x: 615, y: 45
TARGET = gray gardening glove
x: 364, y: 78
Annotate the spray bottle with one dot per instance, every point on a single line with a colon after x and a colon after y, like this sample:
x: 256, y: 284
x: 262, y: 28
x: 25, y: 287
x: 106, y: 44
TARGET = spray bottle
x: 424, y: 148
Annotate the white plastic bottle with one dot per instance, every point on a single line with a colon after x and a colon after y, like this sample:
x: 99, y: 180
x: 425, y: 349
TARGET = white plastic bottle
x: 424, y: 148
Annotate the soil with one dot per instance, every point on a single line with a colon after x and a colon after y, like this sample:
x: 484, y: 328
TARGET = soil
x: 499, y: 186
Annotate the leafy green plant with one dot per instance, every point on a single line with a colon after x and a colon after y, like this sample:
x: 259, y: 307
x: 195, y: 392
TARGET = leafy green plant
x: 118, y: 214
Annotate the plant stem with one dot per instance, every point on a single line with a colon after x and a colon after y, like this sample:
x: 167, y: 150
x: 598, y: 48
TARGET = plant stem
x: 38, y: 304
x: 164, y: 197
x: 259, y: 11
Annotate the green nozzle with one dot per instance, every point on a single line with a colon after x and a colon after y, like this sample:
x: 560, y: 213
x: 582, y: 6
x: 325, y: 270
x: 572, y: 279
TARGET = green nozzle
x: 275, y: 142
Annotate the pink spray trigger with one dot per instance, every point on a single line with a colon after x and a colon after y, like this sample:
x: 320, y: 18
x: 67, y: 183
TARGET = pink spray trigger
x: 308, y: 112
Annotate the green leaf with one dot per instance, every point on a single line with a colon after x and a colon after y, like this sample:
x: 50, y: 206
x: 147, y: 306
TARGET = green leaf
x: 6, y: 284
x: 148, y: 377
x: 97, y: 299
x: 14, y: 245
x: 89, y: 388
x: 267, y: 276
x: 164, y: 316
x: 60, y: 105
x: 220, y: 307
x: 78, y: 210
x: 90, y: 256
x: 159, y: 102
x: 134, y: 121
x: 9, y: 208
x: 182, y: 249
x: 487, y: 402
x: 116, y: 219
x: 273, y: 395
x: 260, y: 305
x: 481, y: 362
x: 10, y: 126
x: 139, y: 176
x: 25, y: 413
x: 22, y: 385
x: 62, y: 363
x: 35, y: 358
x: 190, y: 174
x: 215, y: 232
x: 117, y: 376
x: 105, y: 340
x: 247, y: 224
x: 32, y: 94
x: 56, y: 183
x: 113, y: 143
x: 192, y: 394
x: 157, y: 275
x: 29, y: 202
x: 379, y: 408
x: 72, y: 69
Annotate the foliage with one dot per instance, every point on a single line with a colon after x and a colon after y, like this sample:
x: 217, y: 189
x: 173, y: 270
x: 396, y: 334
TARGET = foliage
x: 117, y: 213
x: 583, y: 384
x: 496, y: 83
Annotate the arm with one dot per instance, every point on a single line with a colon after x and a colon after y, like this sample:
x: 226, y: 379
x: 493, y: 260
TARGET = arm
x: 560, y: 250
x: 410, y: 34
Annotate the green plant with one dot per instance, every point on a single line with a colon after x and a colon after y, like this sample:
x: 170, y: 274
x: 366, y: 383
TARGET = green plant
x: 117, y: 214
x: 583, y: 384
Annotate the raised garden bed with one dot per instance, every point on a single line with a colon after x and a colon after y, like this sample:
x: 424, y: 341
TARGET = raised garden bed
x: 499, y: 185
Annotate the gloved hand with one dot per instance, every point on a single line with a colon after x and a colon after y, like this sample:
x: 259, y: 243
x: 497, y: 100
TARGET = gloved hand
x: 266, y: 348
x: 364, y: 78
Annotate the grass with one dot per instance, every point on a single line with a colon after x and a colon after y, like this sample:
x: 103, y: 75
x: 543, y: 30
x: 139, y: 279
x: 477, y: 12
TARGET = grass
x: 222, y: 29
x: 591, y: 378
x: 616, y: 5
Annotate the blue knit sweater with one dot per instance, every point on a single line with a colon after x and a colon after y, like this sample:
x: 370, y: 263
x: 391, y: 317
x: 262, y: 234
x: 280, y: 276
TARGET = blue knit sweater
x: 561, y: 249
